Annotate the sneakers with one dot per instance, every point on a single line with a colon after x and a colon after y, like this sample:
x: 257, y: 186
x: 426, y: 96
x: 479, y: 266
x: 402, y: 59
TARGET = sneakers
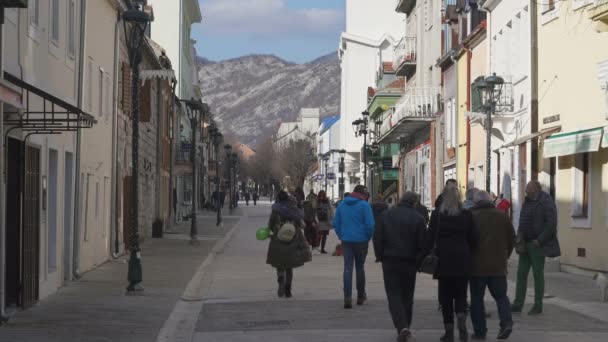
x: 361, y: 299
x: 505, y: 332
x: 404, y: 335
x: 535, y: 311
x: 348, y: 303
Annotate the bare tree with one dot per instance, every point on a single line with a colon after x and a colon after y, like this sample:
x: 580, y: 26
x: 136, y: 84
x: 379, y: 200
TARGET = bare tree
x: 296, y: 160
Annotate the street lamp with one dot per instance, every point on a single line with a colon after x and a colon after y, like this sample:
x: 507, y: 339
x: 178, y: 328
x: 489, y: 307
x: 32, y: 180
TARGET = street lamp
x: 373, y: 164
x: 228, y: 149
x: 196, y: 108
x: 135, y: 21
x: 216, y: 137
x: 234, y: 179
x: 341, y: 169
x: 490, y: 89
x: 325, y: 162
x: 361, y: 128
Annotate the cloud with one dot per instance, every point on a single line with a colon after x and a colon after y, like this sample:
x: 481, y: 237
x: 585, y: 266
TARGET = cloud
x: 268, y: 18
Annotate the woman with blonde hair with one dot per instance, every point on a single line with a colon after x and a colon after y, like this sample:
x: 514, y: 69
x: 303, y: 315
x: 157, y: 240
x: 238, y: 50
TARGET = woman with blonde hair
x: 453, y: 234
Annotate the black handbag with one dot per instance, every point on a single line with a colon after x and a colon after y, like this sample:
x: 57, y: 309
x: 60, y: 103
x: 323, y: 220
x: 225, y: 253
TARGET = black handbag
x: 430, y: 262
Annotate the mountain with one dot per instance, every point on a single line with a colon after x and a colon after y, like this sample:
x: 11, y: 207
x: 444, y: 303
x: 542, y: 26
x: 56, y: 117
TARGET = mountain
x: 251, y: 95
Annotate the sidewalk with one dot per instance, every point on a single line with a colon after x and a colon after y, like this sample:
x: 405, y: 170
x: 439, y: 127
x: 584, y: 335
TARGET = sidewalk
x: 95, y: 308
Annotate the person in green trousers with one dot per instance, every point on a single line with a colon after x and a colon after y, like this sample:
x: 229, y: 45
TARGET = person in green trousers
x: 536, y: 240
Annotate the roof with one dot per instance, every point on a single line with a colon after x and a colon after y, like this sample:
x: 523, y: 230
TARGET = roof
x: 396, y: 84
x: 327, y: 123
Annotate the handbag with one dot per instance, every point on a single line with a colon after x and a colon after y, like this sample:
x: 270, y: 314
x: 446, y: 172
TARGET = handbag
x: 430, y: 262
x: 520, y: 244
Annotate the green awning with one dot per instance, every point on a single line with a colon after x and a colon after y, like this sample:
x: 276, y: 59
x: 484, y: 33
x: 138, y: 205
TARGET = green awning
x: 390, y: 174
x: 568, y: 143
x: 605, y: 142
x: 382, y: 102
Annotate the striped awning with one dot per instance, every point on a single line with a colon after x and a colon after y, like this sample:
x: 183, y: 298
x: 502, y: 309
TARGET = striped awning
x: 568, y: 143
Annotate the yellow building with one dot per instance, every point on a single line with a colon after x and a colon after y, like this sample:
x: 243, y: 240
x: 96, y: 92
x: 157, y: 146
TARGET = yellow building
x: 573, y: 83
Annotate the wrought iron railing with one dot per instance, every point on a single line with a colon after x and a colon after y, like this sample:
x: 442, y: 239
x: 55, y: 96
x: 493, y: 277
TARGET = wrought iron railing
x: 417, y: 102
x: 405, y: 52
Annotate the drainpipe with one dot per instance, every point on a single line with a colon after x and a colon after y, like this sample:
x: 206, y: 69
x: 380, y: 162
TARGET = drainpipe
x: 114, y: 234
x: 469, y: 58
x: 2, y: 182
x: 534, y: 87
x: 159, y: 147
x: 76, y: 249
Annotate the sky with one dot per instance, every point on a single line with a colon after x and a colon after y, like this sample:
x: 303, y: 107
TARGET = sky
x: 295, y: 30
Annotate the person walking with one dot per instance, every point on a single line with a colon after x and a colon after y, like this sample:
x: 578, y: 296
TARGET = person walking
x: 504, y: 205
x: 453, y: 232
x: 311, y: 224
x: 422, y: 210
x: 469, y: 203
x: 354, y: 225
x: 448, y: 183
x: 285, y: 254
x: 247, y: 198
x: 536, y: 240
x: 325, y: 216
x: 399, y: 241
x: 255, y: 197
x: 490, y: 260
x: 312, y: 197
x: 378, y: 207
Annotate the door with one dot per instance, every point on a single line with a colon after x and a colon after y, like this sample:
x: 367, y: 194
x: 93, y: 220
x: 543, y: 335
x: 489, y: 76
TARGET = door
x: 68, y: 215
x: 31, y: 227
x: 13, y: 222
x: 52, y: 212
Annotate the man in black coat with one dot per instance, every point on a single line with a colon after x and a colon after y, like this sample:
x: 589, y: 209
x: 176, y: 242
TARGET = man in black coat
x: 399, y: 242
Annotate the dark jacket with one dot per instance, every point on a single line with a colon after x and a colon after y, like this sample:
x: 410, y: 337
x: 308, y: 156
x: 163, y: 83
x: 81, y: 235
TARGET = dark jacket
x: 457, y: 238
x: 285, y: 255
x: 541, y: 216
x: 400, y: 235
x: 496, y: 240
x: 377, y: 209
x: 424, y: 211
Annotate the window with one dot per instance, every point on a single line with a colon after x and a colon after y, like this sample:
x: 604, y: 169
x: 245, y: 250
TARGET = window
x: 34, y: 6
x: 55, y: 20
x: 451, y: 124
x: 96, y: 200
x: 90, y: 83
x: 71, y: 28
x: 580, y: 203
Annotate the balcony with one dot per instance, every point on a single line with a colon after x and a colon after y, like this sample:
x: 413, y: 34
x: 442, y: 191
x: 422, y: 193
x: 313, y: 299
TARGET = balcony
x: 405, y: 57
x: 413, y: 112
x: 405, y: 6
x: 598, y: 12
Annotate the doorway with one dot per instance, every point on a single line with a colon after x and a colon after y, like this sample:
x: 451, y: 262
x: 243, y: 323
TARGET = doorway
x: 68, y: 215
x: 13, y: 221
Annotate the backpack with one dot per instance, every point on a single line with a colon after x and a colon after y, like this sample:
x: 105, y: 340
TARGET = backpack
x: 323, y: 212
x: 286, y: 232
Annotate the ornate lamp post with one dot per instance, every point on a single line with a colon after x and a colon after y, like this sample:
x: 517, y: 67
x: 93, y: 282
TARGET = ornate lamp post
x: 135, y: 21
x: 341, y: 169
x: 361, y: 128
x: 325, y: 163
x: 234, y: 179
x: 228, y: 149
x: 490, y: 89
x: 216, y: 137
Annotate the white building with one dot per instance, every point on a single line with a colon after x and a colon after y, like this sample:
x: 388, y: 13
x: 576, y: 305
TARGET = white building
x: 304, y: 129
x: 172, y: 29
x: 373, y: 28
x: 510, y: 51
x: 327, y: 146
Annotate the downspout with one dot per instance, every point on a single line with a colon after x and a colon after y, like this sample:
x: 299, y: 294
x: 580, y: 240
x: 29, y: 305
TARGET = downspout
x: 534, y: 87
x: 76, y: 249
x: 114, y: 234
x: 159, y: 148
x: 469, y: 58
x: 2, y: 182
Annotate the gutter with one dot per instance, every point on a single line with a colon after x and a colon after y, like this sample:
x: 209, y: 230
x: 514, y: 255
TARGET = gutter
x: 80, y: 104
x: 534, y: 88
x: 114, y: 230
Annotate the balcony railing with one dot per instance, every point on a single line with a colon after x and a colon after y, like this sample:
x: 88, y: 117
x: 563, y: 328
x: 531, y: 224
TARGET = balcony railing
x: 183, y: 154
x: 416, y: 104
x: 405, y: 56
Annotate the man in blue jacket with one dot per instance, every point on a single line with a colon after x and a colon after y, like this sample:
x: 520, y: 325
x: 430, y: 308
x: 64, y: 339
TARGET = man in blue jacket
x: 354, y: 225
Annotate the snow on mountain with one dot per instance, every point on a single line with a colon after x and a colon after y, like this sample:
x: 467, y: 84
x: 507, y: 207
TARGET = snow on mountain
x: 251, y: 95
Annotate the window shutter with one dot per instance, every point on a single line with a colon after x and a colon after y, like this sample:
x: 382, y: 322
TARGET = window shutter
x: 145, y: 107
x: 126, y: 88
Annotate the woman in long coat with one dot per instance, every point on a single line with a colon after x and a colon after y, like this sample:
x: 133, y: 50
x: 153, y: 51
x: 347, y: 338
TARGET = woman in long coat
x: 325, y: 217
x: 285, y: 256
x: 454, y: 235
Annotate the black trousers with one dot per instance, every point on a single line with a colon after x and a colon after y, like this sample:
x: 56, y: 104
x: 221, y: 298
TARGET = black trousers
x: 452, y: 296
x: 399, y: 283
x: 285, y: 277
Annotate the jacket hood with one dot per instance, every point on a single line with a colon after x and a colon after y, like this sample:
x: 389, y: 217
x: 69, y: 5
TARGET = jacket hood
x: 484, y: 205
x: 352, y: 200
x: 287, y: 211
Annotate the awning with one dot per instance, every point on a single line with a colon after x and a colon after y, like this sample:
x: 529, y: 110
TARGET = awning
x: 163, y: 74
x: 605, y: 142
x: 568, y: 143
x: 8, y: 95
x: 528, y: 137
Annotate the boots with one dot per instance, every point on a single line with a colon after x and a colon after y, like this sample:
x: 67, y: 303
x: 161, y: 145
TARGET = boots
x: 449, y: 333
x: 463, y: 334
x: 281, y: 290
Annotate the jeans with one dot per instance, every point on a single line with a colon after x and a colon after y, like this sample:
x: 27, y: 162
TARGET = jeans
x: 452, y: 297
x: 355, y: 254
x: 498, y: 289
x: 285, y: 277
x: 533, y: 257
x: 399, y: 283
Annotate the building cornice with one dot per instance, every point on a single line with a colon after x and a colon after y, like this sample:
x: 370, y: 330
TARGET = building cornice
x: 349, y: 37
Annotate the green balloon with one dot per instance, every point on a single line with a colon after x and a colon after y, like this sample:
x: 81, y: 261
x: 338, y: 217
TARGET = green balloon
x: 262, y: 233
